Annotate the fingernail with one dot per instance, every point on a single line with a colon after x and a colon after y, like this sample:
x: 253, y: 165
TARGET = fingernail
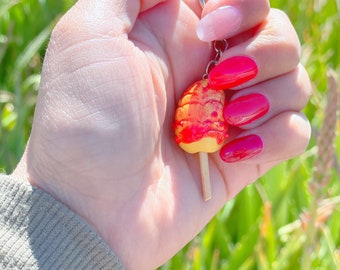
x: 246, y: 109
x: 219, y: 24
x: 241, y: 149
x: 232, y: 72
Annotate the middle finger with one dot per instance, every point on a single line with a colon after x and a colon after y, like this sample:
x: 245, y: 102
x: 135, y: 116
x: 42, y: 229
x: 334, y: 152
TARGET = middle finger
x: 272, y: 51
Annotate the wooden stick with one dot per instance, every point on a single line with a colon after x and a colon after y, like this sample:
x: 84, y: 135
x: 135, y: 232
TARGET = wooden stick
x: 205, y: 175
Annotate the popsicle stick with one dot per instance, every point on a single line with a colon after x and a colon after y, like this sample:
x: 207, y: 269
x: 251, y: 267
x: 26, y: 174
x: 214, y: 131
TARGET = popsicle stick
x: 205, y: 175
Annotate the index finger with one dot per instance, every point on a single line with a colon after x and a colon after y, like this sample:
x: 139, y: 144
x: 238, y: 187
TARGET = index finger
x: 225, y: 18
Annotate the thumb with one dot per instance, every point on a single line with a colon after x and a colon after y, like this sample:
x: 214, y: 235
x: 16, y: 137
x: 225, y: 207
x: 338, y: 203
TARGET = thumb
x: 109, y: 17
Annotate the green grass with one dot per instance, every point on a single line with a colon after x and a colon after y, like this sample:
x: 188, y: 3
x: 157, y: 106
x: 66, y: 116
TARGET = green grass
x: 267, y: 226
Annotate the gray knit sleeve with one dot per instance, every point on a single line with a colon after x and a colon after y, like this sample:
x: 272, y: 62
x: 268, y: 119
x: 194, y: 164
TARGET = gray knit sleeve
x: 38, y: 232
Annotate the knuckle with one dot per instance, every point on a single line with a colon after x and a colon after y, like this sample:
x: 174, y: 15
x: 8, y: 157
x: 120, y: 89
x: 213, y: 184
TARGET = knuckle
x: 305, y: 84
x: 286, y: 35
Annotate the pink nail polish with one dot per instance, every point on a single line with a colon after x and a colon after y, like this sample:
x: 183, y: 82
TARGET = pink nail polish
x: 232, y: 72
x: 219, y: 24
x: 246, y: 109
x: 241, y: 149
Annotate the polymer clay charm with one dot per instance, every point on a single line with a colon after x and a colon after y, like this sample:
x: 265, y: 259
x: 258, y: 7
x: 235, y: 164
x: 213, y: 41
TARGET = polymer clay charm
x: 200, y: 127
x: 199, y: 124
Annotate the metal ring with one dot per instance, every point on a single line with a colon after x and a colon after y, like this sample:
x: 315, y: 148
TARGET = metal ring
x: 202, y: 3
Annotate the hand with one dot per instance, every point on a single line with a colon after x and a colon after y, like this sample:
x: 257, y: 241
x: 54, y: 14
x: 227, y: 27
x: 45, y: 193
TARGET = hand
x: 102, y: 140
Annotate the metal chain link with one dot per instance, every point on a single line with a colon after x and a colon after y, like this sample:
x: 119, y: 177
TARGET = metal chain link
x: 219, y: 47
x: 202, y: 3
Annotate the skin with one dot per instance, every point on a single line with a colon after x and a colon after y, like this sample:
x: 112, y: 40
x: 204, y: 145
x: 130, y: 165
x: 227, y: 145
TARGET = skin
x: 102, y: 141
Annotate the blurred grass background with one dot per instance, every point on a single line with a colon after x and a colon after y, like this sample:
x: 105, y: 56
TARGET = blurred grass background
x: 289, y: 219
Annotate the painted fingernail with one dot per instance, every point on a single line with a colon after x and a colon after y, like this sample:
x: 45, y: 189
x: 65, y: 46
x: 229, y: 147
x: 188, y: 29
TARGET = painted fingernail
x: 219, y: 24
x: 246, y: 109
x: 232, y: 72
x: 241, y: 149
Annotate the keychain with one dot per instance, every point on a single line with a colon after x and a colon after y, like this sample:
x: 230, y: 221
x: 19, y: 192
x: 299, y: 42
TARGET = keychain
x: 199, y: 124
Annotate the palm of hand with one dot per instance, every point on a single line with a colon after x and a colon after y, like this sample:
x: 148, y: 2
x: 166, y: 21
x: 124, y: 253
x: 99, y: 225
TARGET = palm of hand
x: 104, y: 138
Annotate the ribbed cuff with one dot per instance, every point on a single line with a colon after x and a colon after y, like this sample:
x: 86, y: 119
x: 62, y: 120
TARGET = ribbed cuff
x: 38, y: 232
